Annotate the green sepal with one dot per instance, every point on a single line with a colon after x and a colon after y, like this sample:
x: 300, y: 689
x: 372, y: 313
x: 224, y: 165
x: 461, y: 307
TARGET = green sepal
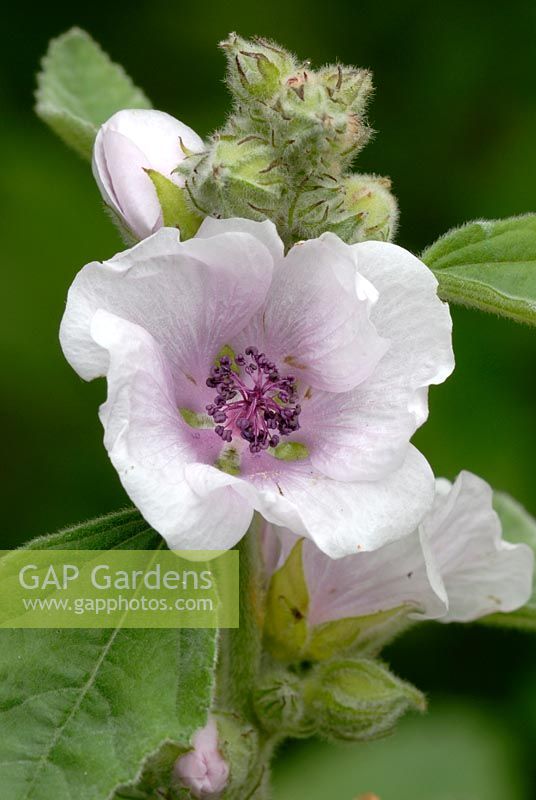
x: 238, y: 742
x: 287, y: 605
x: 175, y: 210
x: 365, y: 635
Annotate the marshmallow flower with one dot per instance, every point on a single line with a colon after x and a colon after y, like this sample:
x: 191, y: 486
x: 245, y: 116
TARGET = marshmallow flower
x: 240, y: 379
x: 455, y: 567
x: 203, y: 770
x: 129, y: 143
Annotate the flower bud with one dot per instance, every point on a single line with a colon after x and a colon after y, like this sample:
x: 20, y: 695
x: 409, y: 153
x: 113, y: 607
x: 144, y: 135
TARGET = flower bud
x: 357, y: 700
x: 358, y: 208
x: 127, y: 145
x: 235, y: 175
x: 203, y: 770
x: 278, y: 703
x: 371, y: 208
x: 256, y: 68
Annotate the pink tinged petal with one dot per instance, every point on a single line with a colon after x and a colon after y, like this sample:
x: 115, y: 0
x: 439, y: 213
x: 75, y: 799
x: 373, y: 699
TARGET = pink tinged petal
x: 482, y: 573
x: 203, y: 770
x: 192, y: 505
x: 353, y: 438
x: 131, y: 141
x: 364, y: 434
x: 345, y: 518
x: 316, y: 321
x: 192, y: 297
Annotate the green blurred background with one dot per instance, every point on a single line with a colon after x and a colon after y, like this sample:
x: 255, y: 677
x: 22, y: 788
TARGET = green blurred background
x: 455, y: 111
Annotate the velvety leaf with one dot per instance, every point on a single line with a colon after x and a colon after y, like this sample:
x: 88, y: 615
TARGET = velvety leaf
x: 490, y: 265
x: 82, y: 710
x: 79, y: 88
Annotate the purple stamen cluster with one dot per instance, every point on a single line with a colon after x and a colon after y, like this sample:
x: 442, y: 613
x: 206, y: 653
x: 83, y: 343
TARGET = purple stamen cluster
x: 261, y: 406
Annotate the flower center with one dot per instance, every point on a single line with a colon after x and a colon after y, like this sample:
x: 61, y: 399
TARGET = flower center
x: 253, y: 400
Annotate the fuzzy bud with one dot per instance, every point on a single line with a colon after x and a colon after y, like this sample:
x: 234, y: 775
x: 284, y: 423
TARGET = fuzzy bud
x: 278, y: 703
x: 285, y: 151
x: 357, y: 700
x: 234, y: 175
x: 358, y: 208
x: 256, y: 68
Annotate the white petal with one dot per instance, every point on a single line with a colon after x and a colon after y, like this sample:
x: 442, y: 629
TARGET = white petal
x: 482, y: 573
x: 192, y: 297
x: 344, y: 518
x: 192, y: 505
x: 316, y: 321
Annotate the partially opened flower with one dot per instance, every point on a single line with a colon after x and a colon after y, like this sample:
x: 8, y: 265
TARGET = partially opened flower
x: 129, y: 143
x: 203, y: 770
x: 242, y: 380
x: 455, y: 567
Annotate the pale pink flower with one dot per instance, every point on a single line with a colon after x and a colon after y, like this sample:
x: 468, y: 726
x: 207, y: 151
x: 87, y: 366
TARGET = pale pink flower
x: 307, y: 418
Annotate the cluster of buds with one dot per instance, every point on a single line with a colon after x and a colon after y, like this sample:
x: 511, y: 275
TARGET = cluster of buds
x: 352, y: 699
x: 286, y: 150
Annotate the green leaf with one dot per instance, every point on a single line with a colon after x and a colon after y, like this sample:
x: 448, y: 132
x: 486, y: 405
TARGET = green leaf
x: 175, y: 210
x: 518, y: 527
x: 81, y: 710
x: 490, y: 265
x: 125, y: 530
x: 79, y: 88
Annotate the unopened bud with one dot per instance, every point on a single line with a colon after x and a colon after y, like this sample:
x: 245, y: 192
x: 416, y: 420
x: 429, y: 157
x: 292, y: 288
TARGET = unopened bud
x: 129, y: 144
x: 278, y: 702
x: 357, y: 699
x: 203, y: 770
x: 256, y: 68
